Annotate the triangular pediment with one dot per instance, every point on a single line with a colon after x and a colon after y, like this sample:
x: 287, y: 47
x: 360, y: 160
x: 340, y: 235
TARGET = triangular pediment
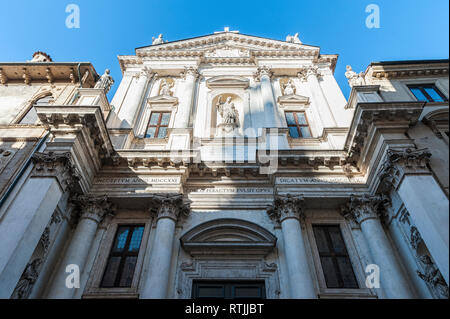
x: 226, y: 45
x: 227, y: 81
x: 163, y: 99
x: 293, y: 99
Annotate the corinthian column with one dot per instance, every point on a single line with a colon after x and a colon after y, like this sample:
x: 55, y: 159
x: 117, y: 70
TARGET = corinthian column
x: 133, y: 100
x: 93, y: 209
x: 157, y: 280
x: 310, y: 74
x: 26, y: 217
x: 365, y: 211
x: 186, y: 99
x: 288, y: 212
x: 407, y: 172
x: 271, y: 117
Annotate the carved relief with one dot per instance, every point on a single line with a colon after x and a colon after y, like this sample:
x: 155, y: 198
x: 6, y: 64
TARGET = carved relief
x: 169, y: 206
x: 93, y: 207
x: 361, y: 208
x: 57, y: 165
x: 285, y: 207
x: 263, y: 71
x: 287, y: 87
x: 166, y: 86
x: 400, y: 162
x: 27, y: 280
x: 433, y: 276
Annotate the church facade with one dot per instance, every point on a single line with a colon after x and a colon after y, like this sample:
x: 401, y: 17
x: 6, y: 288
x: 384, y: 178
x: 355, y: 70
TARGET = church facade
x: 225, y: 166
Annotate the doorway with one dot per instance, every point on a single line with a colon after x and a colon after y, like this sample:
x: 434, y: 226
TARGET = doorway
x: 228, y: 290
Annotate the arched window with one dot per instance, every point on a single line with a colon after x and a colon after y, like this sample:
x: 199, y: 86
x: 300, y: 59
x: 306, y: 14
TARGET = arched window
x: 31, y: 117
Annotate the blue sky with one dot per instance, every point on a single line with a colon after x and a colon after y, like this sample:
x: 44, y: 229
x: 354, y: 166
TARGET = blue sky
x: 410, y: 29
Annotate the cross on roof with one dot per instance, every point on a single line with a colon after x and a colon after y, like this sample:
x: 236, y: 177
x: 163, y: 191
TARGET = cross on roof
x: 226, y: 30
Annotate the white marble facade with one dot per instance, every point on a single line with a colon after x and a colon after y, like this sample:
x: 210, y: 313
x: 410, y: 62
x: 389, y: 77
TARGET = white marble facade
x: 224, y: 186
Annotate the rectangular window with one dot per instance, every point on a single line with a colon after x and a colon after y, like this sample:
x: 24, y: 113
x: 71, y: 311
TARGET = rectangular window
x: 123, y: 257
x: 158, y: 124
x: 298, y: 125
x: 427, y: 92
x: 336, y: 264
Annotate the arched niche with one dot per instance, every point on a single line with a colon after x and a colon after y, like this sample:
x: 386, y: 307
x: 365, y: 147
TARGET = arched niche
x: 216, y: 118
x: 228, y: 237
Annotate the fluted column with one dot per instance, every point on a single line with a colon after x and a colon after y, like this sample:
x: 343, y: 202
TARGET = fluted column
x: 93, y: 209
x: 133, y: 100
x: 186, y: 99
x: 310, y: 74
x: 366, y: 210
x: 157, y: 279
x: 407, y: 172
x: 271, y: 116
x: 288, y: 212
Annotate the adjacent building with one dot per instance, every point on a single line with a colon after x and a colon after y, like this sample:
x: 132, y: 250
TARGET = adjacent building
x: 226, y: 166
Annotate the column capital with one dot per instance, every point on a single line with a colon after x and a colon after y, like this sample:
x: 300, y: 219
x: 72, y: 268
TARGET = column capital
x: 93, y: 207
x: 308, y: 71
x: 169, y: 206
x: 57, y: 165
x: 362, y: 208
x: 397, y: 163
x: 263, y: 70
x: 191, y: 71
x: 286, y: 207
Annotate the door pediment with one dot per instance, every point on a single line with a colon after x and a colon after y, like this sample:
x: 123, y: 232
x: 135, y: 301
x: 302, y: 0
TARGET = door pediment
x: 228, y: 237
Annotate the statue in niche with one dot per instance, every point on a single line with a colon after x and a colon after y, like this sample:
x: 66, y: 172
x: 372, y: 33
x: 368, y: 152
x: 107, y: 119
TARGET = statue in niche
x: 27, y: 280
x: 293, y: 39
x: 158, y: 40
x: 289, y: 88
x: 354, y: 79
x: 105, y: 82
x: 228, y: 112
x: 165, y: 88
x: 433, y: 276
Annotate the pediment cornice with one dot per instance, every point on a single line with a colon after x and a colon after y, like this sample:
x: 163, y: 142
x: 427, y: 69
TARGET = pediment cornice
x: 224, y: 81
x: 201, y: 45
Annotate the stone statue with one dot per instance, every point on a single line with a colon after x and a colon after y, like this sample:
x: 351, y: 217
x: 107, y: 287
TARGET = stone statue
x: 289, y: 88
x: 27, y: 280
x: 433, y: 276
x: 105, y: 82
x: 158, y: 40
x: 228, y: 112
x: 293, y: 39
x: 165, y: 88
x: 354, y: 79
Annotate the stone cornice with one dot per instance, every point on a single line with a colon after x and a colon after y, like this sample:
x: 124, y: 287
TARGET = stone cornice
x: 61, y: 120
x: 49, y: 72
x: 58, y: 165
x: 403, y: 70
x: 398, y: 115
x: 247, y: 41
x: 286, y: 207
x: 361, y: 208
x: 169, y: 206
